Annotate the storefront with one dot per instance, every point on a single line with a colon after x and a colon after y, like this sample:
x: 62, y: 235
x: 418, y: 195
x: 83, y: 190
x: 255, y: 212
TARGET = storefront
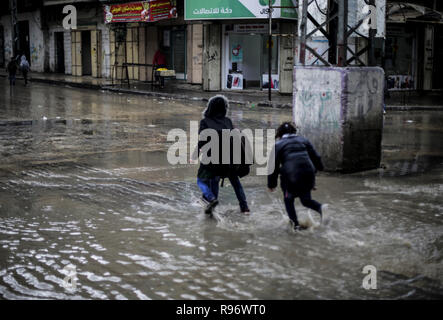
x: 136, y: 34
x: 246, y: 56
x: 413, y: 41
x: 237, y: 51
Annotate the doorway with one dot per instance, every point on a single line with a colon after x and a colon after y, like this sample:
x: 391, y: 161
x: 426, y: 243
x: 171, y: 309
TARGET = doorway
x: 24, y: 47
x: 179, y: 53
x: 59, y: 52
x: 86, y: 53
x: 438, y: 64
x: 2, y: 47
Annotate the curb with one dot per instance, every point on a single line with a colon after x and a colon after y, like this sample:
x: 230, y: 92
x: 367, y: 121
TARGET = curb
x: 203, y: 99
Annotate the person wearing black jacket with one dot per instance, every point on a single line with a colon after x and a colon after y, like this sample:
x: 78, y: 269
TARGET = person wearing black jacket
x: 209, y: 174
x: 12, y: 70
x: 297, y: 163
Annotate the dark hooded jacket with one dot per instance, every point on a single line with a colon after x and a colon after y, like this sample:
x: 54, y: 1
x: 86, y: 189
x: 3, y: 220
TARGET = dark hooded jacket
x: 215, y: 118
x: 297, y: 162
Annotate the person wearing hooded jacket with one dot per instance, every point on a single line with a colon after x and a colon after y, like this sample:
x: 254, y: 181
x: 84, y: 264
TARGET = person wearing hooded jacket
x: 209, y: 175
x: 24, y: 68
x: 296, y: 161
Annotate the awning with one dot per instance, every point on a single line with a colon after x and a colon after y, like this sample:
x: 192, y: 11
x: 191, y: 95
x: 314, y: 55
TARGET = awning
x: 399, y: 12
x: 141, y: 11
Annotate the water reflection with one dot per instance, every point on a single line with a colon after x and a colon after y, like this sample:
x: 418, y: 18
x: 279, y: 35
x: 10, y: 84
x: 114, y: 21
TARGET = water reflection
x: 92, y: 189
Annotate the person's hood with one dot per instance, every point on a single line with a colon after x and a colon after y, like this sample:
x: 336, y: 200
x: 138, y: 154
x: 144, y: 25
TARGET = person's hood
x: 217, y: 107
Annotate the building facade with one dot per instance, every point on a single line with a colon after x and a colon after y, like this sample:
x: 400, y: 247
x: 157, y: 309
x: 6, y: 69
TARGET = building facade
x: 220, y: 45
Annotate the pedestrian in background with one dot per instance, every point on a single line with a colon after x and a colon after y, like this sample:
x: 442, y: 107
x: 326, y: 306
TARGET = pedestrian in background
x: 159, y: 62
x: 12, y: 71
x: 297, y: 163
x: 24, y: 68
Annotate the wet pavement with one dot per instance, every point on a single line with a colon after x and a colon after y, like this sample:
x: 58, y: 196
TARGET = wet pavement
x: 84, y: 181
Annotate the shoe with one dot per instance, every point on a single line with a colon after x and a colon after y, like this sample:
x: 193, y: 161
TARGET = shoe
x: 324, y: 212
x: 299, y: 228
x: 211, y: 205
x: 296, y: 227
x: 204, y: 201
x: 246, y: 211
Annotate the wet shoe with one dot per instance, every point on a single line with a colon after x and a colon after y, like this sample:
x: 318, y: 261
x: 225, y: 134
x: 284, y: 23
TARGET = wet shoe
x: 299, y: 228
x: 204, y: 201
x: 324, y: 214
x: 296, y: 227
x: 211, y: 205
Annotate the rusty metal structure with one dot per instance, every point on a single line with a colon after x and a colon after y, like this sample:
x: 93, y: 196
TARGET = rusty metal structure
x: 337, y: 31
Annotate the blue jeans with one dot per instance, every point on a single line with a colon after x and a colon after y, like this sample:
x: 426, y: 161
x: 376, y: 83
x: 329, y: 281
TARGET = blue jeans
x: 209, y: 188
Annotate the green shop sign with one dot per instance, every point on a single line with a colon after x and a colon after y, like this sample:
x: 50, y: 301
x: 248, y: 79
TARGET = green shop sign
x: 238, y: 9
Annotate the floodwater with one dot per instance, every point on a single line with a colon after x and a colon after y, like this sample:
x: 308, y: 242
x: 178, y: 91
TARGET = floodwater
x: 84, y: 183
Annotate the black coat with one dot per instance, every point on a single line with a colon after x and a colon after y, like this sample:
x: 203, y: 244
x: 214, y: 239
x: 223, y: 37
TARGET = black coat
x: 297, y: 162
x: 214, y: 118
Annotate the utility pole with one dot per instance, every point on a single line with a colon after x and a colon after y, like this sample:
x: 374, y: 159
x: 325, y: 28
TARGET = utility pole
x: 15, y: 31
x: 342, y: 38
x: 372, y: 33
x: 304, y: 20
x: 270, y: 51
x: 269, y: 11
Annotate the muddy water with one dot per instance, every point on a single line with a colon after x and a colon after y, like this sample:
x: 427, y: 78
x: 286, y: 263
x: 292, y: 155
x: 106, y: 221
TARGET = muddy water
x: 84, y: 182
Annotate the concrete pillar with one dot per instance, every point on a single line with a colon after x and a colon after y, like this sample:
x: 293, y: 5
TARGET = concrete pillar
x: 67, y: 49
x: 428, y: 65
x: 340, y: 110
x: 286, y: 57
x: 152, y: 45
x: 142, y: 53
x: 194, y: 54
x: 212, y: 57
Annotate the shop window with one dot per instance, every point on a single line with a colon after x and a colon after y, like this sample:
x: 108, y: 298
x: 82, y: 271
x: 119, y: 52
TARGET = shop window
x: 248, y: 60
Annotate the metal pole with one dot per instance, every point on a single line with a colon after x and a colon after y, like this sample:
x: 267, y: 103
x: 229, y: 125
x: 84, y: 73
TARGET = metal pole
x: 372, y: 33
x: 304, y: 20
x: 15, y: 31
x: 270, y: 51
x: 342, y: 29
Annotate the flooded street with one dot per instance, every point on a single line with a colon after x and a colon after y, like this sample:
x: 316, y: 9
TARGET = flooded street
x: 84, y: 181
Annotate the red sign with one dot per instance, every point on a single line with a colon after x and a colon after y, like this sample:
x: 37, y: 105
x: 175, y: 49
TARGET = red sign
x: 142, y: 11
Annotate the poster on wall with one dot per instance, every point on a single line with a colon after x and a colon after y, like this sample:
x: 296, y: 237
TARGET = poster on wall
x: 238, y: 9
x: 142, y: 11
x: 274, y: 81
x: 235, y: 81
x: 236, y: 53
x: 400, y: 82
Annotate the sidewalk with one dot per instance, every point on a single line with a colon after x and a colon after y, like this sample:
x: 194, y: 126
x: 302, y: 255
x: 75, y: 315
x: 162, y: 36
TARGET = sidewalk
x: 179, y: 89
x: 176, y: 89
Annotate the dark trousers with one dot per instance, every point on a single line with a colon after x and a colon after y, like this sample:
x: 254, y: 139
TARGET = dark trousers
x: 305, y: 199
x: 12, y: 79
x: 25, y: 75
